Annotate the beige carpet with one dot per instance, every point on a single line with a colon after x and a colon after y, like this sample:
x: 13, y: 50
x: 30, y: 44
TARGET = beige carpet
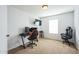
x: 47, y: 46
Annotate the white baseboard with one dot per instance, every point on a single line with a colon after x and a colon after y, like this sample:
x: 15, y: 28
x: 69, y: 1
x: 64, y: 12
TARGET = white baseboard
x: 55, y: 39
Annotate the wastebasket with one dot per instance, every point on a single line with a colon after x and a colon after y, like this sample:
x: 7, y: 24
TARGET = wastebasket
x: 41, y: 34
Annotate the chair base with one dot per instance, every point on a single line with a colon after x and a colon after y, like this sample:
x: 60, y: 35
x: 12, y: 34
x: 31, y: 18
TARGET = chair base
x: 36, y: 40
x: 31, y: 45
x: 66, y: 41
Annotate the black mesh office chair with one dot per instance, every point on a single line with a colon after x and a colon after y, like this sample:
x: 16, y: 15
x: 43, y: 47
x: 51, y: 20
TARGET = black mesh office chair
x: 68, y: 35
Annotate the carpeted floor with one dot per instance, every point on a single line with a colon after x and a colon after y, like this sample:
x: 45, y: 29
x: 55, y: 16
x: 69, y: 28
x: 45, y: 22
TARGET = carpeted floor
x: 46, y: 46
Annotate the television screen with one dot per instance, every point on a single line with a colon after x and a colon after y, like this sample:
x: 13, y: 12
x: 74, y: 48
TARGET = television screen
x: 38, y: 22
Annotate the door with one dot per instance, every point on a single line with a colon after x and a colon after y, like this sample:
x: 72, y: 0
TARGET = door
x: 3, y: 29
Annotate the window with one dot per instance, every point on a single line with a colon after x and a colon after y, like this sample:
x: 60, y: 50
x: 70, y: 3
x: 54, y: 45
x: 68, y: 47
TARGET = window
x: 53, y: 26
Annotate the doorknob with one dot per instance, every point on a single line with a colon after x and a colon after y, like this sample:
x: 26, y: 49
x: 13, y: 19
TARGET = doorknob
x: 7, y: 35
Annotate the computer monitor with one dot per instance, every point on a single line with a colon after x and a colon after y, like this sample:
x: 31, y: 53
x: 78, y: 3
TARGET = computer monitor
x: 27, y: 29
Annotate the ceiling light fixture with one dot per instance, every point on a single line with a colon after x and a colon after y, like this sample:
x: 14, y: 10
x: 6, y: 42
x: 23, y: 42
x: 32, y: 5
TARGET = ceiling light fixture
x: 44, y: 7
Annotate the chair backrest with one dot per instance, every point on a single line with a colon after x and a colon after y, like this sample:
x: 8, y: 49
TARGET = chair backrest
x: 69, y: 32
x: 34, y: 34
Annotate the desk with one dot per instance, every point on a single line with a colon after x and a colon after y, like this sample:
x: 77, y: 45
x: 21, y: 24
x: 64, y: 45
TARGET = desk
x: 22, y: 36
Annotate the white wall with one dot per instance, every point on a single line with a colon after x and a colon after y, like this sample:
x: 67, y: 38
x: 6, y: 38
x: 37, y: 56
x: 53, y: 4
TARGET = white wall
x: 3, y: 29
x: 17, y: 21
x: 76, y: 23
x: 64, y: 20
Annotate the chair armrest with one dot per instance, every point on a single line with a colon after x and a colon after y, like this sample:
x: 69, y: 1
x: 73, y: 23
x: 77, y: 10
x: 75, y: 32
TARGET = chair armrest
x: 63, y: 35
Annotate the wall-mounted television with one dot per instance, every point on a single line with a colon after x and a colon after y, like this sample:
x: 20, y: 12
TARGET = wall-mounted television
x: 38, y: 22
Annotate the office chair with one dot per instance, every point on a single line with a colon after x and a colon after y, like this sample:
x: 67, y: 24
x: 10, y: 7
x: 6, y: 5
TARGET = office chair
x: 68, y: 35
x: 33, y: 37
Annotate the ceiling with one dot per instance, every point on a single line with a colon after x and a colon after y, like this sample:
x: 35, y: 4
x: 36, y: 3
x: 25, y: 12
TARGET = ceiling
x: 37, y: 11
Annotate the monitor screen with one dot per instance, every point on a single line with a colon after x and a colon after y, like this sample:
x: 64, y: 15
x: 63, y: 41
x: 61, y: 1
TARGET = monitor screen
x: 26, y: 29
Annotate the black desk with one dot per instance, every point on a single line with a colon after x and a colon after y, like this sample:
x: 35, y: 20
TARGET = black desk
x: 23, y: 35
